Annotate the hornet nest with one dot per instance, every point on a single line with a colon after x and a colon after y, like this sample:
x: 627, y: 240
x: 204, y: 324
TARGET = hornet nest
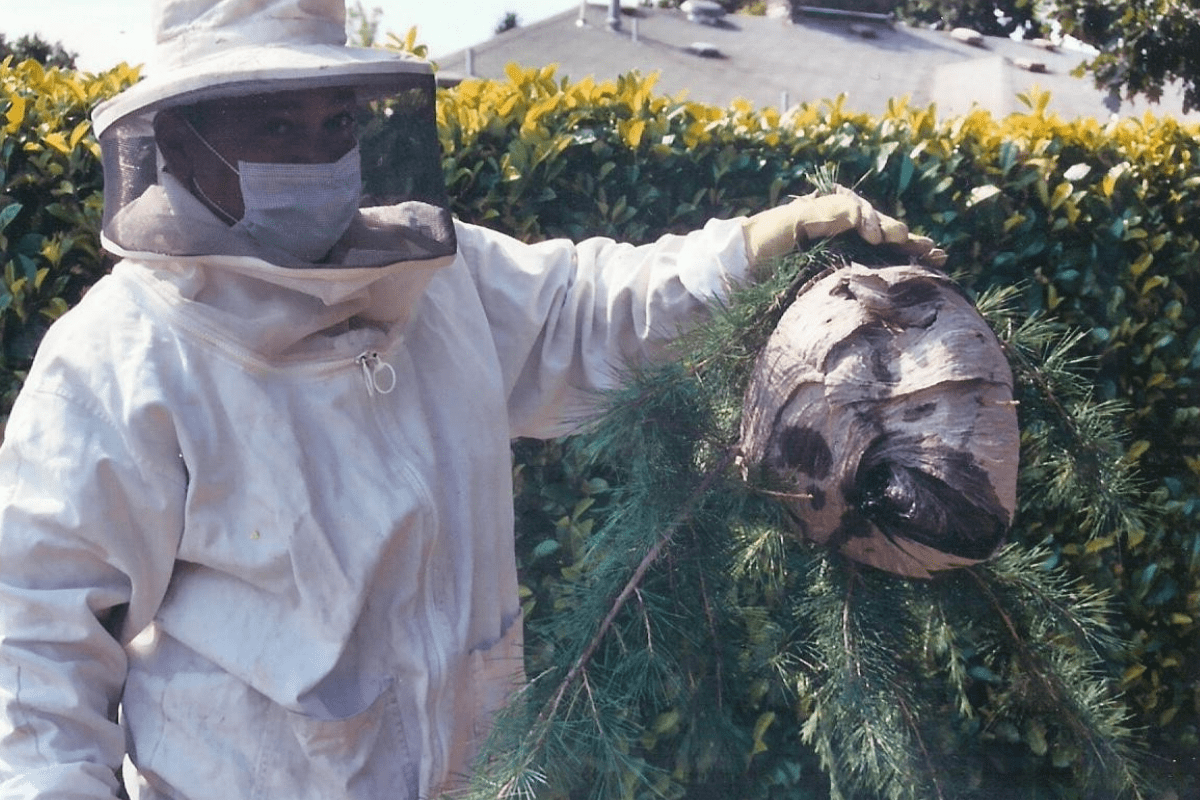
x: 883, y: 403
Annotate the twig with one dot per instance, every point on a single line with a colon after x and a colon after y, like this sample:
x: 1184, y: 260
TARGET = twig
x: 1033, y: 664
x: 712, y: 627
x: 632, y: 584
x: 646, y: 620
x: 847, y: 639
x: 912, y: 724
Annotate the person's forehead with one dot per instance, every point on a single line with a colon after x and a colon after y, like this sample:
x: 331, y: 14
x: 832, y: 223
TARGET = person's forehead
x: 294, y: 102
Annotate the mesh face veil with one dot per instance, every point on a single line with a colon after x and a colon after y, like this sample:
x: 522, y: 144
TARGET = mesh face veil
x: 404, y: 218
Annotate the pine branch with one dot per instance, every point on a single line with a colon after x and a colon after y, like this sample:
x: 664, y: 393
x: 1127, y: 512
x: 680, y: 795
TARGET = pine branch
x: 631, y: 586
x: 1066, y: 683
x: 930, y: 766
x: 1072, y: 445
x: 865, y: 723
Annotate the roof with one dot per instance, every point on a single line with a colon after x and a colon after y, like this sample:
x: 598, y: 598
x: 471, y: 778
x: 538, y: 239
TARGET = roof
x: 775, y: 62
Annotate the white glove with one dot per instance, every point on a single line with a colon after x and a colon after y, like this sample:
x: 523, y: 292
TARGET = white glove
x: 772, y: 233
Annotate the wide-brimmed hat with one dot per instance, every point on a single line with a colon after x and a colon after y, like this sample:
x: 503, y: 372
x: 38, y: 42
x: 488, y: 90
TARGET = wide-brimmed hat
x: 206, y: 49
x: 211, y: 49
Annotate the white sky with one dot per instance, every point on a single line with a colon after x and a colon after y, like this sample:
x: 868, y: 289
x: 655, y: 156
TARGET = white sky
x: 106, y: 32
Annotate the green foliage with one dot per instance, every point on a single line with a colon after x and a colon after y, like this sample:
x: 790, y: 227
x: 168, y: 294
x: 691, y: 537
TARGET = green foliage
x: 362, y: 24
x: 51, y: 205
x: 988, y: 17
x: 508, y: 22
x: 1143, y: 45
x: 32, y: 46
x: 539, y: 156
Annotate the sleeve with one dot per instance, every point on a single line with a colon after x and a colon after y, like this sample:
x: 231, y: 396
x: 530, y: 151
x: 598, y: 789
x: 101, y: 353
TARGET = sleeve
x: 86, y: 547
x: 568, y: 319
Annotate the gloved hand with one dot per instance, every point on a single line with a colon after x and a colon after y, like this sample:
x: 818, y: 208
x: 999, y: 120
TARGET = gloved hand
x: 772, y: 233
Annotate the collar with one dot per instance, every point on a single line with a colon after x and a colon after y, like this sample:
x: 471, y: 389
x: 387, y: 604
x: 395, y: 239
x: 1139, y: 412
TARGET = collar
x: 236, y: 290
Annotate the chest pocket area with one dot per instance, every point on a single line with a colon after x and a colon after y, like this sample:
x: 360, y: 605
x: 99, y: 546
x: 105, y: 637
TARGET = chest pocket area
x: 287, y: 532
x: 365, y: 756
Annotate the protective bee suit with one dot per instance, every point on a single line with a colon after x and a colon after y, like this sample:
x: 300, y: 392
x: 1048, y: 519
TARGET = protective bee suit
x: 309, y: 522
x: 256, y: 534
x: 263, y: 508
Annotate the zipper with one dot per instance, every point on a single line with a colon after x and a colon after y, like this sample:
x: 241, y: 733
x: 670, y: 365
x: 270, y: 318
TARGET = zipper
x: 428, y: 624
x: 378, y: 374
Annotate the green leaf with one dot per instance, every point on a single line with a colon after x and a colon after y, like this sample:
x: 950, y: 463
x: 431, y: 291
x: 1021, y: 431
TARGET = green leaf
x: 907, y: 168
x: 547, y: 547
x: 1035, y: 737
x: 8, y: 213
x: 28, y: 267
x: 981, y: 194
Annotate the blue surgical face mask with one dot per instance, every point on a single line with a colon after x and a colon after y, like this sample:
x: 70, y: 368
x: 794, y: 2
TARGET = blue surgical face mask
x: 302, y: 209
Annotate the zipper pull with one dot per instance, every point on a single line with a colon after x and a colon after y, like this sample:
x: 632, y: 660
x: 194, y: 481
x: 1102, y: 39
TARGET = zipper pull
x: 377, y: 373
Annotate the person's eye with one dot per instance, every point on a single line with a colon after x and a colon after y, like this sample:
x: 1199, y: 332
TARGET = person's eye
x: 278, y: 127
x: 341, y: 122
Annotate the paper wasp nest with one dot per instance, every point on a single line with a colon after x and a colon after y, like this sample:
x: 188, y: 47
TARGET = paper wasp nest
x: 883, y: 405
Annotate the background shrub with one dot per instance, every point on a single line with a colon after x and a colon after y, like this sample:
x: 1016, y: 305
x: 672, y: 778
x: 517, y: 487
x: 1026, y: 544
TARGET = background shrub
x: 51, y: 204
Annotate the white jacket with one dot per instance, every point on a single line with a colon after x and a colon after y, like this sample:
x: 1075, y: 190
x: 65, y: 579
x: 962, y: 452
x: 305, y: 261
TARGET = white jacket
x: 268, y: 512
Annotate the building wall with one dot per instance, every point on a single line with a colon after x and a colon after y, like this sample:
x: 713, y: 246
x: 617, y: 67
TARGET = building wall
x: 868, y: 6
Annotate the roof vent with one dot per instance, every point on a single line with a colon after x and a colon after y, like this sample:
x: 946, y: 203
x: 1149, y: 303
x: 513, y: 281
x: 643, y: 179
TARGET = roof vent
x: 967, y: 36
x: 706, y: 12
x: 704, y: 50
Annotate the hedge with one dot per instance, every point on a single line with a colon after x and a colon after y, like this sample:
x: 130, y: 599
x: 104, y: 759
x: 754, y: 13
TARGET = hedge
x: 1096, y: 222
x: 52, y: 201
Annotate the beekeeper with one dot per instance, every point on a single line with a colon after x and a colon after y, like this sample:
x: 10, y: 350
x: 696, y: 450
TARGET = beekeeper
x: 257, y: 535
